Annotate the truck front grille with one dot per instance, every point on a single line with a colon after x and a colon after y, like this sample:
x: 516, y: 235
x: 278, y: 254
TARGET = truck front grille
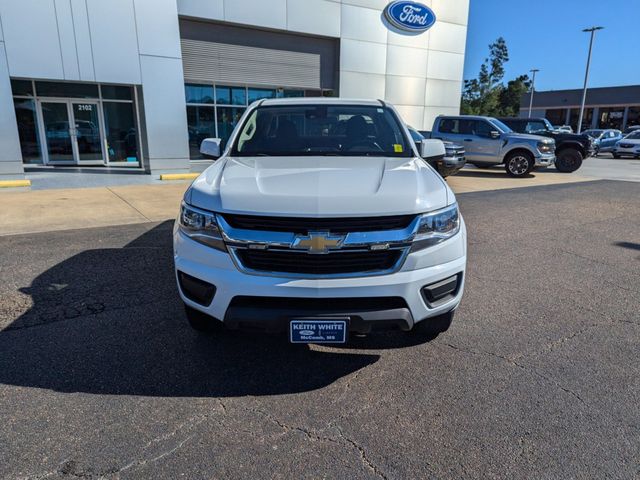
x: 306, y: 225
x: 334, y: 263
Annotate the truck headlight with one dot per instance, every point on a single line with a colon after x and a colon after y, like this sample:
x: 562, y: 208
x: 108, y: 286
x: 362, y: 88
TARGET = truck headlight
x: 436, y: 227
x: 201, y: 226
x: 545, y: 147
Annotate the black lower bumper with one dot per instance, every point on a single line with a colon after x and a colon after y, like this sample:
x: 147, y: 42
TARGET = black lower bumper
x: 274, y: 314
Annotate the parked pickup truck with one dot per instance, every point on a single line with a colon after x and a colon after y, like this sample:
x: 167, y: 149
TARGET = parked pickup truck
x: 487, y: 142
x: 453, y: 159
x: 320, y: 218
x: 571, y: 148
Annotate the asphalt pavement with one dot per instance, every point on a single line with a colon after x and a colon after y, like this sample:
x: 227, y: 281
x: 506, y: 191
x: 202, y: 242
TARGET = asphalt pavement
x: 539, y: 376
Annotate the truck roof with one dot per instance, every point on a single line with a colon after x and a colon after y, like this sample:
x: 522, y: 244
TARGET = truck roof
x: 521, y: 119
x: 468, y: 117
x: 320, y: 101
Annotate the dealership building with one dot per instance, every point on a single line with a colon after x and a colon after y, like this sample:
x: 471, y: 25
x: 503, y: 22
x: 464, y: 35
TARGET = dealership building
x: 139, y: 83
x: 607, y: 107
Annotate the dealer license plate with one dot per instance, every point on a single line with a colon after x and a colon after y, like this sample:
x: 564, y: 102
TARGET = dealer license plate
x: 311, y: 330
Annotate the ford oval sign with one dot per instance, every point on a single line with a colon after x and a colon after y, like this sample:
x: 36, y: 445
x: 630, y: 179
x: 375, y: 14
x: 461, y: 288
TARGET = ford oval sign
x: 409, y: 16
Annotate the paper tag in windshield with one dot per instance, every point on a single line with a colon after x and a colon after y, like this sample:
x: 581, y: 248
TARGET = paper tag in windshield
x: 397, y: 148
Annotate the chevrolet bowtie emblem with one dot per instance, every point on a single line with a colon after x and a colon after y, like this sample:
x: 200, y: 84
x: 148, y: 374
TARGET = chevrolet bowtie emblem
x: 318, y: 242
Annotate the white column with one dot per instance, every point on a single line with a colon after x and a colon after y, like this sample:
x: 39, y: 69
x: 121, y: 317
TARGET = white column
x: 10, y: 154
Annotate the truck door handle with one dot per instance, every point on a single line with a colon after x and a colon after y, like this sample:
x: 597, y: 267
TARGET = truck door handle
x: 468, y: 140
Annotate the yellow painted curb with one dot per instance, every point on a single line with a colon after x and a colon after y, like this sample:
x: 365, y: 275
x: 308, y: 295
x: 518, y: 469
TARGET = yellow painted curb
x: 179, y: 176
x: 14, y: 183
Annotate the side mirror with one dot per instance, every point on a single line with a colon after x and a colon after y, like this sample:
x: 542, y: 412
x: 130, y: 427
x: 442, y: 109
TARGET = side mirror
x: 432, y: 149
x: 494, y: 134
x: 211, y: 147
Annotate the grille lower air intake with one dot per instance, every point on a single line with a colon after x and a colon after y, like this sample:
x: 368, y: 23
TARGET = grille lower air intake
x: 334, y: 263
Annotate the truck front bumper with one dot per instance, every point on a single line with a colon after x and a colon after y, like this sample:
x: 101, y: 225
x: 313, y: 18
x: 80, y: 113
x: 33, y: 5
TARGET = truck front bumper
x: 545, y: 159
x: 264, y: 302
x: 449, y: 165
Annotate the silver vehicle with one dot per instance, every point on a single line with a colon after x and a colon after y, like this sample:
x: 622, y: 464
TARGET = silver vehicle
x: 629, y: 146
x: 488, y: 142
x: 605, y: 139
x: 453, y: 159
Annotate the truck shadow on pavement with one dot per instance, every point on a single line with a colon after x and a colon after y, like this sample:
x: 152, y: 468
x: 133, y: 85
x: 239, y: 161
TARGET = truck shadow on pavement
x: 109, y: 321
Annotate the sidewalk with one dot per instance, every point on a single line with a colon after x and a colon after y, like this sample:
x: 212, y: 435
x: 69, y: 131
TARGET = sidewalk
x: 70, y: 208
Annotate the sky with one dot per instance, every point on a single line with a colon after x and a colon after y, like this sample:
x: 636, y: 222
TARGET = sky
x: 547, y: 34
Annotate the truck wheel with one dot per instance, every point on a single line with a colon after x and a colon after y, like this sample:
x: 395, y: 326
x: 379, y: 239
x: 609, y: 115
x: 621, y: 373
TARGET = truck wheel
x: 568, y: 160
x: 432, y: 327
x: 201, y: 321
x: 615, y: 155
x: 518, y: 164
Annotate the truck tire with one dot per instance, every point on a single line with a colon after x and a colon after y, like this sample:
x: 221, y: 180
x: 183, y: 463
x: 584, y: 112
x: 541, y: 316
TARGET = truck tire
x: 432, y: 327
x: 202, y: 322
x: 519, y: 163
x: 615, y: 155
x: 568, y: 160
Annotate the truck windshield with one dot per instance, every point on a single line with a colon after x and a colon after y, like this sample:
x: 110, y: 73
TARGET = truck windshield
x: 314, y: 130
x: 500, y: 126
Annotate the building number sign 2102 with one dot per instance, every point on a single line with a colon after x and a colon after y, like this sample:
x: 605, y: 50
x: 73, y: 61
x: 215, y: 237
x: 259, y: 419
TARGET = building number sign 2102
x: 85, y: 108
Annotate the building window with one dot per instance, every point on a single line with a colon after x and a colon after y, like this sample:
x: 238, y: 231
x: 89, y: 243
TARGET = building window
x: 611, y: 117
x: 116, y: 92
x: 67, y: 90
x: 22, y: 88
x: 260, y: 93
x: 587, y: 118
x: 228, y: 118
x: 28, y: 130
x: 201, y: 124
x: 214, y: 110
x: 633, y: 116
x: 557, y: 116
x: 198, y: 93
x: 120, y: 131
x: 75, y: 122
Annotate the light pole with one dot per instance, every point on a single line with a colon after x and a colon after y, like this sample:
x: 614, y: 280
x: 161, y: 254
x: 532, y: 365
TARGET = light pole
x: 533, y: 87
x: 592, y: 30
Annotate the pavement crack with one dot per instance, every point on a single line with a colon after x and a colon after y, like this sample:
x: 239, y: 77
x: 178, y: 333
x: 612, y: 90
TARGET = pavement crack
x: 551, y: 346
x: 513, y: 362
x: 315, y: 436
x: 309, y: 433
x: 589, y: 259
x: 91, y: 311
x: 189, y: 425
x: 154, y: 459
x: 366, y: 461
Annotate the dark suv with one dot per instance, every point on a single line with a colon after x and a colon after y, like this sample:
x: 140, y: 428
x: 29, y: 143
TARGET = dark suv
x: 571, y: 148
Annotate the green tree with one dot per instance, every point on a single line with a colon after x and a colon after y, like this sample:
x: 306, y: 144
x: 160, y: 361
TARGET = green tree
x: 486, y: 94
x: 481, y: 96
x: 511, y: 95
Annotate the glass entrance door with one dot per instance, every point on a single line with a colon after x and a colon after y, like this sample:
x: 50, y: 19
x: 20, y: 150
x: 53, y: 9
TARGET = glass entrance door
x: 72, y: 132
x: 87, y: 131
x: 57, y: 132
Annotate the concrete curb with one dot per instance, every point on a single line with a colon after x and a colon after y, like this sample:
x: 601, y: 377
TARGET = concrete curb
x: 178, y: 176
x: 14, y: 183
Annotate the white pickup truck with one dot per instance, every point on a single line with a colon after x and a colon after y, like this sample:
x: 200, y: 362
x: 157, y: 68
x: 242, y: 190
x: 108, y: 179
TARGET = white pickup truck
x: 320, y: 218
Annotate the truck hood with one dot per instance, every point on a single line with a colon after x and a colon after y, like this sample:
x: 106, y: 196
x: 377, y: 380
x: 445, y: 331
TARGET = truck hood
x: 527, y: 136
x: 319, y: 186
x: 566, y: 137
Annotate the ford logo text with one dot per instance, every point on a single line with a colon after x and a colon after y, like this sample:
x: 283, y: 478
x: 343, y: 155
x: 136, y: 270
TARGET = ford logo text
x: 410, y: 16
